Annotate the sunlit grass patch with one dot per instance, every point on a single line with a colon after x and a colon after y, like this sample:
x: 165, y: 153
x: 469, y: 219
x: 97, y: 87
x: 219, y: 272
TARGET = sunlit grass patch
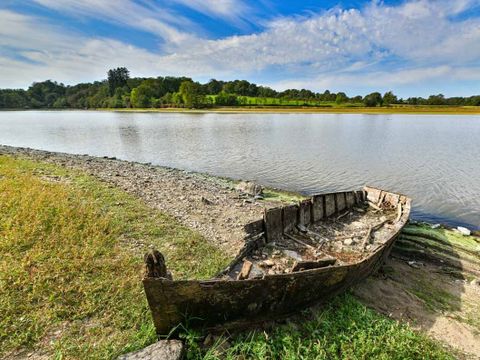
x: 343, y: 329
x: 71, y: 265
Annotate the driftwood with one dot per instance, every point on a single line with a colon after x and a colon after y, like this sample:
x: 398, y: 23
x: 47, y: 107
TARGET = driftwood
x: 375, y: 206
x: 308, y: 265
x: 371, y: 229
x: 342, y: 215
x: 298, y: 241
x: 246, y: 267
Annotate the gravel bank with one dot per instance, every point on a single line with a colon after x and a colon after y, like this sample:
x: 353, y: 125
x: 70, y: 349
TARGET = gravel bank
x: 209, y: 205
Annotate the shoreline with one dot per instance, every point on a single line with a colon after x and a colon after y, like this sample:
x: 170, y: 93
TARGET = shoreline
x: 213, y: 208
x: 395, y: 110
x: 207, y: 204
x: 274, y: 194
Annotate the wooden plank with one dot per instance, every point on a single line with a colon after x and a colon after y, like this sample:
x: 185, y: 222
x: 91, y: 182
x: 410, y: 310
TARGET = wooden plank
x: 304, y: 212
x: 360, y: 197
x: 290, y: 218
x: 341, y: 203
x: 308, y: 265
x: 329, y: 204
x: 373, y: 194
x: 392, y: 199
x: 254, y: 228
x: 318, y: 209
x: 246, y: 267
x: 350, y: 199
x: 273, y: 224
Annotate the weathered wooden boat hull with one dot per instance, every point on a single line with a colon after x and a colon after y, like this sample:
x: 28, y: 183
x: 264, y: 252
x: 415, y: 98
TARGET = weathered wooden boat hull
x: 227, y: 302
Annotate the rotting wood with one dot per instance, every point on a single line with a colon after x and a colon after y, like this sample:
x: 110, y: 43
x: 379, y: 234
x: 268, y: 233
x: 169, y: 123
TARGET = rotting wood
x: 375, y: 206
x: 298, y: 241
x: 308, y: 265
x: 366, y: 238
x: 317, y: 208
x: 254, y: 227
x: 246, y: 267
x: 329, y: 204
x: 273, y: 224
x: 340, y: 200
x: 350, y: 199
x: 304, y: 212
x: 382, y: 198
x: 345, y: 213
x: 273, y: 292
x: 155, y: 264
x: 289, y: 217
x: 399, y: 212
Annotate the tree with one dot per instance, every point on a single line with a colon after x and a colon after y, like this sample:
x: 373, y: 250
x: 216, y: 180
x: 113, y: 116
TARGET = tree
x: 117, y: 78
x: 141, y: 96
x: 213, y: 87
x: 389, y: 98
x: 373, y: 99
x: 341, y: 98
x: 191, y: 94
x: 226, y: 99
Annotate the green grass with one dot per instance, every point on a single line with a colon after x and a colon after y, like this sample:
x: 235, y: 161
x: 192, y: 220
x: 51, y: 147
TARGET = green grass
x: 70, y: 278
x: 343, y: 329
x: 71, y: 269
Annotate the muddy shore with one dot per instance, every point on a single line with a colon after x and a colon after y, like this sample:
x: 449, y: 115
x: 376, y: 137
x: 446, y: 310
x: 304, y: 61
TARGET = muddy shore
x: 209, y: 205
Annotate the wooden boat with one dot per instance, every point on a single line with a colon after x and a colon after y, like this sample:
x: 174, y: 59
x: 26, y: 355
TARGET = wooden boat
x: 297, y: 255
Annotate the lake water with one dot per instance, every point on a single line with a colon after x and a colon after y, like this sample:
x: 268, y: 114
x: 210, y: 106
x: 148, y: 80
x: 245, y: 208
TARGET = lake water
x: 435, y: 159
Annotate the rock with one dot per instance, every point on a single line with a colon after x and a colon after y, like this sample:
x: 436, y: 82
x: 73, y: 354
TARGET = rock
x: 268, y: 263
x: 250, y: 188
x: 293, y: 254
x: 464, y: 231
x: 302, y: 228
x: 348, y: 242
x: 475, y: 282
x: 208, y: 340
x: 435, y: 226
x: 206, y: 201
x: 414, y: 264
x: 161, y: 350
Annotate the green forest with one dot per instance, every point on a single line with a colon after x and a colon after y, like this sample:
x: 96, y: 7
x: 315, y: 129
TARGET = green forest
x: 119, y: 90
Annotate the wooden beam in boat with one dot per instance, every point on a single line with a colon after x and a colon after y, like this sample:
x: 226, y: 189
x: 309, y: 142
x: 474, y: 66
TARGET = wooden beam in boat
x: 273, y: 224
x: 290, y: 218
x: 318, y: 207
x: 254, y: 227
x: 308, y: 265
x: 329, y: 204
x: 304, y: 213
x: 350, y: 199
x: 341, y: 203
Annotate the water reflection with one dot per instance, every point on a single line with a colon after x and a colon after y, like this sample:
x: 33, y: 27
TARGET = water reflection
x: 432, y: 158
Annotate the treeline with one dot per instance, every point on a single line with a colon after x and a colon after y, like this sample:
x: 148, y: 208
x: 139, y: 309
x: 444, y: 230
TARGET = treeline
x: 119, y: 90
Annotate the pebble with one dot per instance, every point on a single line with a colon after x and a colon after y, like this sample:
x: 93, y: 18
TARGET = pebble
x: 268, y: 263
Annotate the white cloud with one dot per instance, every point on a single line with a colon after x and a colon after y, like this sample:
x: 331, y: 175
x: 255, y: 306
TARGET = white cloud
x: 235, y: 11
x: 150, y: 18
x: 377, y: 46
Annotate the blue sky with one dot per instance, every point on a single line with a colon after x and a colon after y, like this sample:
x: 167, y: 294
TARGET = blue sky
x: 413, y: 47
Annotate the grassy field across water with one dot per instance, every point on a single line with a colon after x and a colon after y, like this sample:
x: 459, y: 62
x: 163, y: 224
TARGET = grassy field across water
x: 70, y: 284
